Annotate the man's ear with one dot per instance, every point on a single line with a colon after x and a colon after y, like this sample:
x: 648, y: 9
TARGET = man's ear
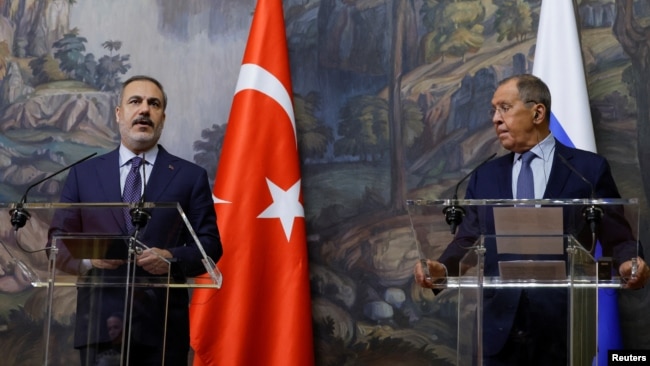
x: 538, y: 117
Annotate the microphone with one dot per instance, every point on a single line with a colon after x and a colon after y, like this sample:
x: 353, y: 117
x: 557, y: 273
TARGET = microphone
x: 592, y: 213
x: 19, y: 215
x: 139, y: 216
x: 454, y: 214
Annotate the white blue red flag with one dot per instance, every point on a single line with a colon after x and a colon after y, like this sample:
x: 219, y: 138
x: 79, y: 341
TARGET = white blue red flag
x: 559, y: 63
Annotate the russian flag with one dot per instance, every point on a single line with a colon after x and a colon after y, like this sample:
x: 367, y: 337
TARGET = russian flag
x: 558, y: 61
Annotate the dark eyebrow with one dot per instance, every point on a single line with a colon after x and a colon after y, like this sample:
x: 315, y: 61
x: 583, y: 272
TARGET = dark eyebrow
x: 149, y: 100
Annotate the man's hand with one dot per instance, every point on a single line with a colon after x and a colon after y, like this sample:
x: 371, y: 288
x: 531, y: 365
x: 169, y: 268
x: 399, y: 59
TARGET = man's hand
x: 153, y: 260
x: 107, y: 263
x: 635, y: 273
x: 437, y: 271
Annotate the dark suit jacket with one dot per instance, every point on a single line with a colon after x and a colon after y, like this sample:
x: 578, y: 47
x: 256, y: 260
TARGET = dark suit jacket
x: 172, y: 180
x: 494, y: 181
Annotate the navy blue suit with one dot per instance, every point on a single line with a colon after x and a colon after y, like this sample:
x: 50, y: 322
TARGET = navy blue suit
x: 493, y: 180
x: 172, y: 180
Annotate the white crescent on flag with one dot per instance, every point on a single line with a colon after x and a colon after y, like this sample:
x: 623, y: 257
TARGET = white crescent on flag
x: 255, y: 77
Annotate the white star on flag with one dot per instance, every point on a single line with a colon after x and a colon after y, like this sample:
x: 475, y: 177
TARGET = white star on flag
x: 286, y: 206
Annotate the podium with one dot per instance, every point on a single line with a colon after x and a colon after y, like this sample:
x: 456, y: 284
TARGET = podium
x: 560, y: 248
x: 96, y: 303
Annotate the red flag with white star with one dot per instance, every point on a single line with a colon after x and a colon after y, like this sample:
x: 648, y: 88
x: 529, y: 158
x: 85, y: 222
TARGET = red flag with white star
x: 262, y: 313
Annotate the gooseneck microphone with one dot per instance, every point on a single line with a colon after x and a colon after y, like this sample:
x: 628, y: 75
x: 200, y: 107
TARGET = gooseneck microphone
x: 454, y: 214
x: 139, y: 216
x: 19, y: 215
x: 592, y: 213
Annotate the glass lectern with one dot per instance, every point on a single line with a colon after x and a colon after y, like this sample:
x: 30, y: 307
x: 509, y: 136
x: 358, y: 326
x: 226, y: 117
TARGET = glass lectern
x: 530, y: 246
x: 92, y: 292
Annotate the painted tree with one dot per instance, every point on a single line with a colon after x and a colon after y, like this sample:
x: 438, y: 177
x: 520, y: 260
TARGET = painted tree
x: 363, y: 128
x: 110, y: 67
x: 313, y: 135
x: 513, y: 21
x: 70, y: 51
x: 404, y: 20
x: 454, y: 28
x: 208, y: 149
x: 634, y: 36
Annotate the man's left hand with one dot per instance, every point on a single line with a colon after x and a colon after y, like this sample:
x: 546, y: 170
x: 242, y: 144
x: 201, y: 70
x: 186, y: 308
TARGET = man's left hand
x: 634, y: 275
x: 153, y: 260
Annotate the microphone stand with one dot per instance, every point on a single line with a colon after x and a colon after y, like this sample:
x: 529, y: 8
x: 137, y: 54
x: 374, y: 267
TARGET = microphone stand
x: 26, y: 271
x: 138, y: 220
x: 19, y: 215
x: 592, y: 213
x: 18, y: 218
x: 139, y: 216
x: 454, y: 213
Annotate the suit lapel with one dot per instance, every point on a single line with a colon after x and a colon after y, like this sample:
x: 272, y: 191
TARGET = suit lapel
x: 163, y: 171
x: 560, y: 173
x: 108, y: 173
x: 504, y: 176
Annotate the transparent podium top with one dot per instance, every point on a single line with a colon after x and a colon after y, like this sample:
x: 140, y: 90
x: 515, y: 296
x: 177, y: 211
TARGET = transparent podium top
x: 59, y: 241
x: 509, y: 202
x: 551, y: 240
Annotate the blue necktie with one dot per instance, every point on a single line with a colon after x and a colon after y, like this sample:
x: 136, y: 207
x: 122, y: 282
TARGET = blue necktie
x: 525, y: 182
x: 132, y: 190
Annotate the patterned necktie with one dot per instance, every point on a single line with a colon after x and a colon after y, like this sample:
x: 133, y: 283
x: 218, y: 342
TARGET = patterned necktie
x: 525, y: 182
x: 132, y: 190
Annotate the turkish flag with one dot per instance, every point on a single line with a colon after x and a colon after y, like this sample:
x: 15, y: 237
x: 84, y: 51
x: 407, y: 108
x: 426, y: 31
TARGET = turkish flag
x: 262, y: 313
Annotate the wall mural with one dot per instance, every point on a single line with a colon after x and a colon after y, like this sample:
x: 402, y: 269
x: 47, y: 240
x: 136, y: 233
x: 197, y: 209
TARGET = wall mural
x: 360, y: 69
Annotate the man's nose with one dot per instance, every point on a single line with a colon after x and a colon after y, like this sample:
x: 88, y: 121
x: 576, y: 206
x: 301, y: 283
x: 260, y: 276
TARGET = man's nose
x: 491, y: 114
x: 145, y: 108
x: 496, y: 119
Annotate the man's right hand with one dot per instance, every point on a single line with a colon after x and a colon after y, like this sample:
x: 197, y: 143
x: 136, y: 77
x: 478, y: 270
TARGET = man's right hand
x: 437, y: 271
x: 107, y: 263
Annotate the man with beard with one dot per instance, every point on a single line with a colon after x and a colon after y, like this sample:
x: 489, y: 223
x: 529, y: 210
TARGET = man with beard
x: 140, y: 116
